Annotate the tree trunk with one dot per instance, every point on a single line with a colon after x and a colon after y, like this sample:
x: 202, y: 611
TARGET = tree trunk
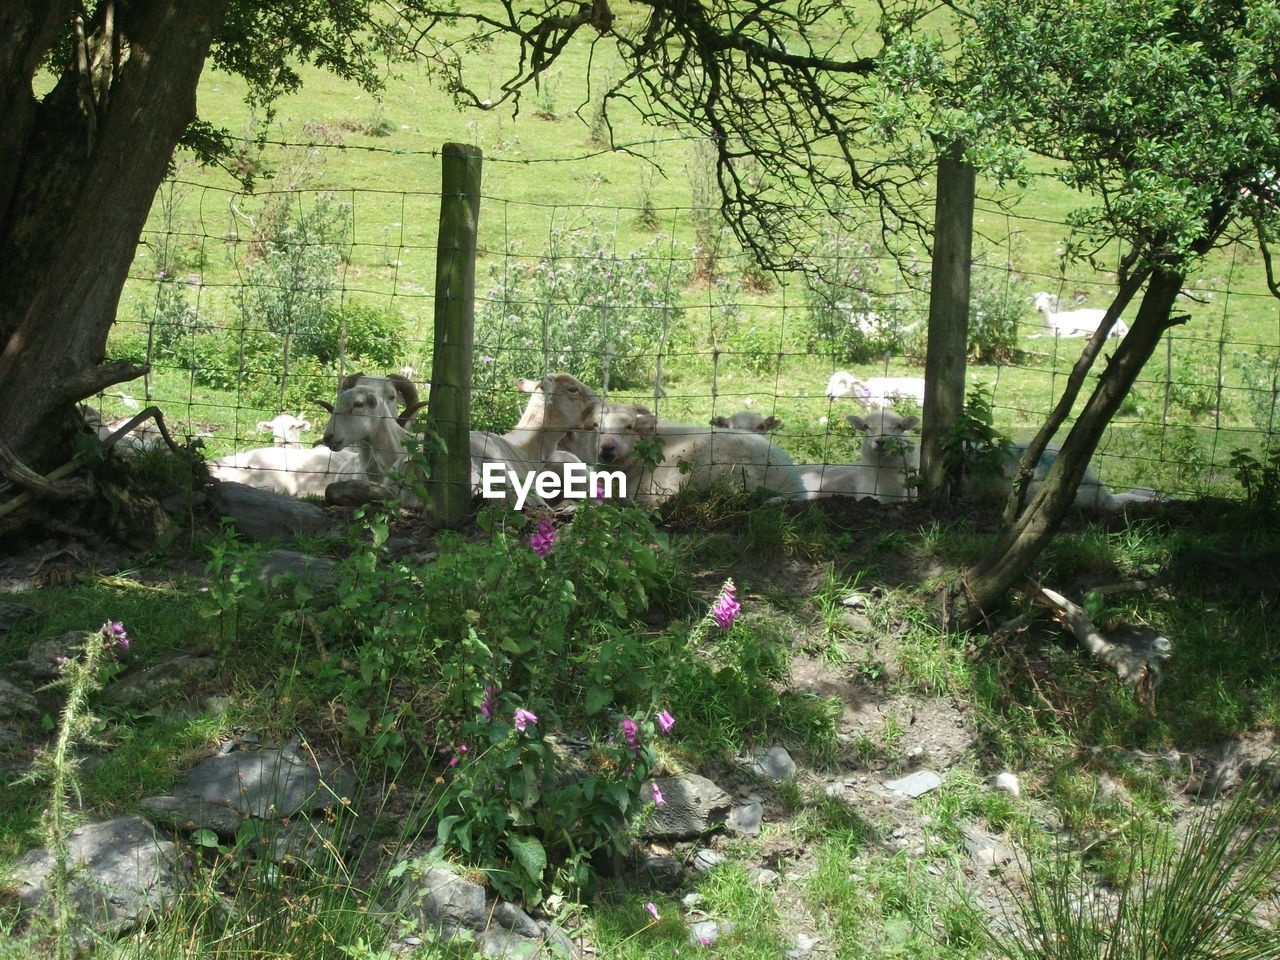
x: 86, y: 162
x: 982, y: 586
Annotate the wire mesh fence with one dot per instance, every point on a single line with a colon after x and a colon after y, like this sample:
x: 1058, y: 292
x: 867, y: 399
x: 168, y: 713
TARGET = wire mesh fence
x: 251, y: 305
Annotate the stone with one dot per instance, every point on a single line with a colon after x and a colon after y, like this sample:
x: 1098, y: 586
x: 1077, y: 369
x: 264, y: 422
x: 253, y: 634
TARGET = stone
x: 706, y: 932
x: 1007, y: 782
x: 916, y: 784
x: 356, y: 493
x: 46, y: 657
x: 440, y: 899
x: 804, y: 945
x: 265, y: 515
x: 267, y: 783
x: 745, y: 818
x: 706, y: 860
x: 661, y: 873
x: 11, y: 614
x: 189, y: 814
x: 293, y: 563
x: 437, y: 898
x: 774, y: 764
x: 692, y: 806
x: 175, y: 673
x: 16, y: 702
x: 121, y: 873
x: 983, y: 849
x: 763, y: 877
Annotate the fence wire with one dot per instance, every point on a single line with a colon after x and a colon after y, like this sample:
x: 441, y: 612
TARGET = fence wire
x: 247, y: 306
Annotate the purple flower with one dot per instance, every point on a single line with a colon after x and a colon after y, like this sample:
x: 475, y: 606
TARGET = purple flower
x: 726, y: 607
x: 666, y: 721
x: 653, y: 911
x: 523, y: 717
x: 657, y: 796
x: 462, y: 752
x: 113, y: 635
x: 629, y: 731
x: 486, y: 705
x: 600, y: 491
x: 544, y: 539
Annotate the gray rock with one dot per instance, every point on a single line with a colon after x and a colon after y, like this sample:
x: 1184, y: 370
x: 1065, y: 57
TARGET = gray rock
x: 265, y: 515
x: 706, y: 932
x: 774, y: 763
x: 1007, y: 783
x: 356, y: 493
x: 804, y: 945
x: 706, y: 860
x: 16, y: 702
x: 661, y: 873
x: 304, y: 566
x: 189, y: 814
x: 440, y: 899
x: 983, y: 849
x: 121, y: 872
x: 436, y: 898
x: 11, y: 614
x: 46, y: 657
x: 916, y: 784
x: 176, y: 673
x: 268, y: 783
x: 515, y: 919
x: 745, y: 819
x: 692, y: 806
x: 763, y: 877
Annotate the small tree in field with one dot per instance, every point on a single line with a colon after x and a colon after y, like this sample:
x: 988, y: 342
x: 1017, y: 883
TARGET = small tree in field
x: 1163, y: 114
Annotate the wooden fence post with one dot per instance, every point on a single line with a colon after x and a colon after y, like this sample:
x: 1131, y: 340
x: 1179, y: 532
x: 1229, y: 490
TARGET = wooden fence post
x: 948, y: 345
x: 449, y: 406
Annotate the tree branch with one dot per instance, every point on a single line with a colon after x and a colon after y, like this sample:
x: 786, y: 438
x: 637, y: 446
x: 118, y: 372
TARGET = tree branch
x: 93, y: 380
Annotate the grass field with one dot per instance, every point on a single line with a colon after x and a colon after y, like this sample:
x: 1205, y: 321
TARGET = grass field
x: 545, y: 177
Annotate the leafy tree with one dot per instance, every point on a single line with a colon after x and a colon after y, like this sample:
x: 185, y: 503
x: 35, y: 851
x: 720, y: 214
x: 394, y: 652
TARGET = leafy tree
x: 81, y: 163
x: 1163, y: 114
x: 777, y: 90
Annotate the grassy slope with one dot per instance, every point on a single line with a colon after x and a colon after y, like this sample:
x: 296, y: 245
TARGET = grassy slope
x: 541, y: 174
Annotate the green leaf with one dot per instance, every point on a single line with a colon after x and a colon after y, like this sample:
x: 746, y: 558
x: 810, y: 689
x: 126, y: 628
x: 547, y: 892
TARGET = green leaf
x: 205, y: 838
x: 530, y: 854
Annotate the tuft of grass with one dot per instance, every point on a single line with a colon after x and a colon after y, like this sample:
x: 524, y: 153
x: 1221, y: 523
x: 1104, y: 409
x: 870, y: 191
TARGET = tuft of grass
x: 1186, y: 898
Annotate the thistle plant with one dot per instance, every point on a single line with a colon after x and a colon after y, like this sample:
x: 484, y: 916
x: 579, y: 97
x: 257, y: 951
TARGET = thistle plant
x: 80, y: 676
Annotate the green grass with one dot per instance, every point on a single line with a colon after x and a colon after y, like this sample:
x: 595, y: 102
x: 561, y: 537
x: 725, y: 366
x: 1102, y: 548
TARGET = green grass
x: 541, y: 174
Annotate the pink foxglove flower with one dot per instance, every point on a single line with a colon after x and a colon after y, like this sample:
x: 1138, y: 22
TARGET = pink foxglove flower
x: 653, y: 911
x: 726, y: 607
x: 666, y: 721
x: 658, y: 799
x: 486, y: 705
x: 523, y: 717
x: 600, y: 493
x: 457, y: 757
x: 629, y: 733
x: 543, y: 539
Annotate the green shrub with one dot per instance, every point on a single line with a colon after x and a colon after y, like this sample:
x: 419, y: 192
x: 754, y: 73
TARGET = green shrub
x: 439, y: 657
x: 580, y: 308
x: 859, y: 309
x: 364, y: 336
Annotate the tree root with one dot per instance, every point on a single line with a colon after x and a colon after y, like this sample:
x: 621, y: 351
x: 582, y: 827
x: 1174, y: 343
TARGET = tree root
x: 1135, y: 654
x: 50, y: 486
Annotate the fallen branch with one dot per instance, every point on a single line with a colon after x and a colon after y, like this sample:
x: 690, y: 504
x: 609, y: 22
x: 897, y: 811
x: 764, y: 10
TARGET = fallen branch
x: 1136, y: 656
x: 47, y: 486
